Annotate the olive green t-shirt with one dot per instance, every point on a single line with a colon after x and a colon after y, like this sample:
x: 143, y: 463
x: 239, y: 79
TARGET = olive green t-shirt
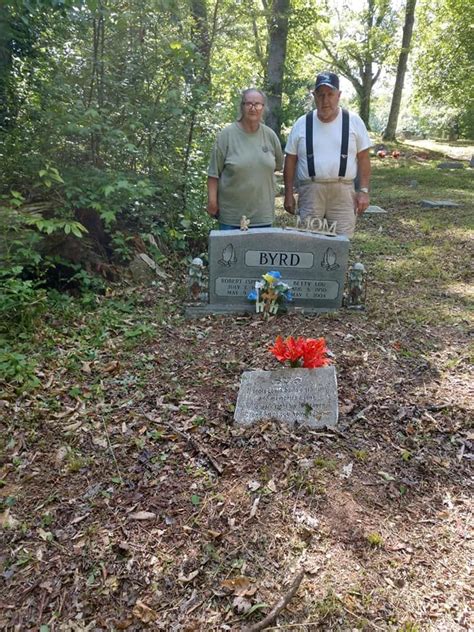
x: 245, y: 165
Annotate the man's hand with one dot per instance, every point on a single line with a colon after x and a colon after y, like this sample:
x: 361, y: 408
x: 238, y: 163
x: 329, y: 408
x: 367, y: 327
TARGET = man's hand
x: 362, y: 202
x: 290, y: 203
x: 289, y: 171
x: 363, y: 168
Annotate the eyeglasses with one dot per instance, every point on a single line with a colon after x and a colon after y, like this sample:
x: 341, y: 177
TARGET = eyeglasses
x: 255, y: 106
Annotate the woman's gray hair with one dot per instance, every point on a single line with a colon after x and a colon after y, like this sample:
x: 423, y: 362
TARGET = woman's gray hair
x: 243, y: 96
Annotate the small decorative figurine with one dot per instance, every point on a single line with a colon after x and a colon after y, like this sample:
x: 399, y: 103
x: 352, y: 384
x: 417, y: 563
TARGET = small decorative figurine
x: 244, y: 223
x: 357, y: 287
x: 270, y: 294
x: 196, y: 278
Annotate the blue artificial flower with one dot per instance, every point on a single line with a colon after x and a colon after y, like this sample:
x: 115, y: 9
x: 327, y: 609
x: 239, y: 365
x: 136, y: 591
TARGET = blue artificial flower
x: 275, y: 274
x: 252, y: 295
x: 289, y: 296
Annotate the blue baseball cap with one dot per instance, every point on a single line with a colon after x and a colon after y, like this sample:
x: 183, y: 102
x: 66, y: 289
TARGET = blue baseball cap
x: 327, y: 79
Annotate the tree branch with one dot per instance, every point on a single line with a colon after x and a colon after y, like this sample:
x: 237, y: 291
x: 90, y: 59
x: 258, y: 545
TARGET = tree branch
x: 280, y: 604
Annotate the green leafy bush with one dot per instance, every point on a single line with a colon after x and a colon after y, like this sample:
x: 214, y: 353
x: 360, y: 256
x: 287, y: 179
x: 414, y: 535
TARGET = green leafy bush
x: 21, y: 301
x: 18, y: 369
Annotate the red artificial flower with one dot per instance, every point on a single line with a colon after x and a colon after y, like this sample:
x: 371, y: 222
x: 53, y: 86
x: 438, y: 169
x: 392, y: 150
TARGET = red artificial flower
x: 315, y: 353
x: 279, y: 349
x: 295, y: 350
x: 310, y: 353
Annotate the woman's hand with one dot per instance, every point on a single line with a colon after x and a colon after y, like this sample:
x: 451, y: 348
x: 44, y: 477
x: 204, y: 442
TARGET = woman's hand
x: 212, y: 197
x: 213, y: 208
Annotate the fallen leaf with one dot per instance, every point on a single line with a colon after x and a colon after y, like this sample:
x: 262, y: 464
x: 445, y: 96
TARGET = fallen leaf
x: 253, y: 486
x: 60, y: 455
x: 143, y: 612
x: 45, y: 535
x: 253, y: 511
x: 347, y: 470
x: 7, y: 521
x: 238, y: 585
x: 78, y: 519
x: 111, y: 367
x: 73, y: 426
x: 386, y: 476
x: 241, y: 605
x: 303, y: 517
x: 142, y: 515
x: 185, y: 579
x: 99, y: 441
x: 271, y: 485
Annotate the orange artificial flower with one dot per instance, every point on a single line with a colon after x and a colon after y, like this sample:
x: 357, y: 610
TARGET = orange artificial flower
x: 309, y: 353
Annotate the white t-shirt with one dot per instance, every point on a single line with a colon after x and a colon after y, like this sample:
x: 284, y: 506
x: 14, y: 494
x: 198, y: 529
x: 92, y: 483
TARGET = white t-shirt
x: 327, y: 146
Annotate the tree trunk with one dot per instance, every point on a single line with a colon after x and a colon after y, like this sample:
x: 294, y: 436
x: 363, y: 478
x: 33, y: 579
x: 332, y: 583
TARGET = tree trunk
x: 200, y: 37
x: 200, y: 77
x: 5, y: 68
x: 365, y: 93
x: 391, y: 129
x: 278, y: 35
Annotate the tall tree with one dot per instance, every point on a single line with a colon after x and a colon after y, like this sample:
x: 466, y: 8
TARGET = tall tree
x: 357, y: 45
x: 391, y: 129
x: 278, y: 36
x: 198, y: 73
x: 444, y: 81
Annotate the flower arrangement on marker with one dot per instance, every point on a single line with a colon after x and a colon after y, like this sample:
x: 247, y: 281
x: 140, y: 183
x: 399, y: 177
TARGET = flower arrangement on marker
x: 310, y: 353
x: 270, y: 293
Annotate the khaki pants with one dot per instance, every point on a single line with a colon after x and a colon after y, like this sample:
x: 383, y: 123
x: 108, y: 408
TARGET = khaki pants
x: 330, y: 199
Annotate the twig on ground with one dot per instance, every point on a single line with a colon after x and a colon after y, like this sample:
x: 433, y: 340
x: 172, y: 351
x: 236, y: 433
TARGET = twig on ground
x: 278, y: 607
x: 111, y: 450
x: 195, y: 444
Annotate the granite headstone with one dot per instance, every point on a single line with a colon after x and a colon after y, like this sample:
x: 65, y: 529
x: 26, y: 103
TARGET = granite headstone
x: 314, y: 265
x: 450, y: 165
x: 306, y: 397
x: 438, y: 204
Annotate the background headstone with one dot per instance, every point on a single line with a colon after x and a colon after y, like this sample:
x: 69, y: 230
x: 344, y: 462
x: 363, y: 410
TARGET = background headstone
x: 313, y: 265
x: 144, y: 269
x: 438, y: 203
x: 306, y: 397
x: 374, y: 209
x: 450, y: 165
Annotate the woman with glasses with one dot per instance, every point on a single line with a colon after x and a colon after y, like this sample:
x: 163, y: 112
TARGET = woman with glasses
x: 245, y: 156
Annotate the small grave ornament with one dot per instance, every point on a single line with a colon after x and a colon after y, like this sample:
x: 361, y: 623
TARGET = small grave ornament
x: 244, y: 223
x: 196, y: 278
x: 270, y: 294
x: 357, y: 287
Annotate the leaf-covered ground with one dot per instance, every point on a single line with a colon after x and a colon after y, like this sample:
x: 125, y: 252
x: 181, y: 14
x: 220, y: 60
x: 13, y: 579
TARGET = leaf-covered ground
x: 130, y: 500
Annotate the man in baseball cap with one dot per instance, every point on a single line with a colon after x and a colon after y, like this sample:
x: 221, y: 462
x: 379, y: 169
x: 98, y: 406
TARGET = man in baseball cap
x: 326, y: 149
x: 327, y: 79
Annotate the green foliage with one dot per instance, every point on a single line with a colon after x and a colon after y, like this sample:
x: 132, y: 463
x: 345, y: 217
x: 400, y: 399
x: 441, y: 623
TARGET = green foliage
x: 17, y: 368
x: 444, y: 83
x: 126, y: 136
x: 375, y: 539
x: 22, y: 301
